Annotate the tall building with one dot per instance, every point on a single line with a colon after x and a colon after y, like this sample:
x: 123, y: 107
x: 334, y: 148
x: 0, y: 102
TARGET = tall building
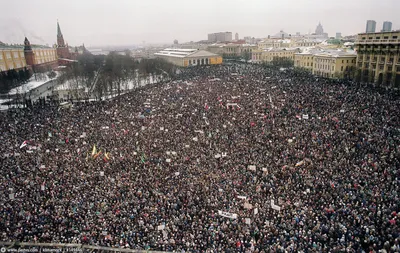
x: 319, y: 30
x: 236, y: 36
x: 338, y: 35
x: 387, y: 26
x: 220, y: 37
x: 371, y: 26
x: 378, y: 58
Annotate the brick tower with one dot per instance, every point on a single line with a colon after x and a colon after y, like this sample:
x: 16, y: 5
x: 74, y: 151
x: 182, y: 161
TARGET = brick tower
x: 62, y: 48
x: 28, y: 52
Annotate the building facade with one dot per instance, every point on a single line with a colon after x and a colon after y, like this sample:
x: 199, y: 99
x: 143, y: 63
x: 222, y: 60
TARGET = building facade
x: 232, y: 49
x: 39, y: 56
x: 337, y: 64
x: 371, y: 26
x: 268, y: 55
x: 30, y: 56
x: 189, y: 57
x: 304, y: 60
x: 378, y: 58
x: 220, y: 37
x: 12, y: 58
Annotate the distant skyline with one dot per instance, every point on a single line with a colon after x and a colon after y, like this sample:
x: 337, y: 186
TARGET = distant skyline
x: 126, y: 22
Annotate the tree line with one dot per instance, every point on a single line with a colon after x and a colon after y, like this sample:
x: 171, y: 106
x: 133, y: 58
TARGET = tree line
x: 99, y: 75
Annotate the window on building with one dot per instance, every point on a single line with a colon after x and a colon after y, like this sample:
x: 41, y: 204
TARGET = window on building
x: 398, y: 68
x: 381, y: 67
x: 190, y: 62
x: 360, y: 65
x: 378, y: 38
x: 8, y: 55
x: 363, y: 38
x: 370, y: 38
x: 386, y: 37
x: 391, y: 60
x: 394, y: 37
x: 347, y: 61
x: 366, y: 65
x: 382, y: 59
x: 341, y: 69
x: 342, y: 61
x: 333, y: 68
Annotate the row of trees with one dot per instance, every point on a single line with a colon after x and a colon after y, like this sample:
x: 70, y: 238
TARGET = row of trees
x: 280, y: 62
x: 104, y: 75
x: 12, y: 78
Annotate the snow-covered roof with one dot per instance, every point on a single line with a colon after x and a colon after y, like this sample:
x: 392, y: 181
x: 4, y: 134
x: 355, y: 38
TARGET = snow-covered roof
x: 182, y: 53
x: 337, y: 53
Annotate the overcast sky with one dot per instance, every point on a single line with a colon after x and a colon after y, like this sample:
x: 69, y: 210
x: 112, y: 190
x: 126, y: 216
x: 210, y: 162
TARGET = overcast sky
x: 127, y: 22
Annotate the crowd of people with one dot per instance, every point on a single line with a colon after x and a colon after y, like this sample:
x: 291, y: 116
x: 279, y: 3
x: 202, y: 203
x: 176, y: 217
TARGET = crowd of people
x: 232, y: 158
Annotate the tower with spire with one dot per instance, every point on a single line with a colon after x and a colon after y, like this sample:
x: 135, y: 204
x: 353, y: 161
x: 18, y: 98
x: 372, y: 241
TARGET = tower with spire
x: 62, y: 48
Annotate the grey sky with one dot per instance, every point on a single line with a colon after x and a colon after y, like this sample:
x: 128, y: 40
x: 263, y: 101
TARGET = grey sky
x: 127, y: 22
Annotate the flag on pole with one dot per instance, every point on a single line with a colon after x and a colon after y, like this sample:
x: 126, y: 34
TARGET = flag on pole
x: 23, y: 144
x: 96, y: 155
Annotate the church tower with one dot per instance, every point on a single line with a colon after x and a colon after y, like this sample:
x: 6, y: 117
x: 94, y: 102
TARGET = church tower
x: 28, y: 52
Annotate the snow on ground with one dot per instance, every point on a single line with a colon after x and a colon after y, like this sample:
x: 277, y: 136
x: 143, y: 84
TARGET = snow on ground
x: 32, y: 84
x: 2, y: 101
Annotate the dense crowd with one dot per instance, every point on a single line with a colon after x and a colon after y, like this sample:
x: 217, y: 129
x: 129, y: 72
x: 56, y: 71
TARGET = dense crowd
x: 233, y: 158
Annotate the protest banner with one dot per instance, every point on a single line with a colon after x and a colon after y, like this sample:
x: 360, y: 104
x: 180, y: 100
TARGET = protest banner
x: 228, y: 215
x: 252, y: 167
x: 248, y: 206
x: 248, y: 221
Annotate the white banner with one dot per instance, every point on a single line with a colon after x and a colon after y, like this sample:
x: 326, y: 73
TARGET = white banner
x: 255, y: 211
x: 227, y: 215
x: 275, y: 207
x: 161, y: 227
x: 248, y: 206
x: 248, y: 221
x: 252, y: 167
x: 241, y: 197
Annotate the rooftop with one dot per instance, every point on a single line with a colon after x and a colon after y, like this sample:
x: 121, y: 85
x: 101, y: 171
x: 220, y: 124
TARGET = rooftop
x: 182, y: 53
